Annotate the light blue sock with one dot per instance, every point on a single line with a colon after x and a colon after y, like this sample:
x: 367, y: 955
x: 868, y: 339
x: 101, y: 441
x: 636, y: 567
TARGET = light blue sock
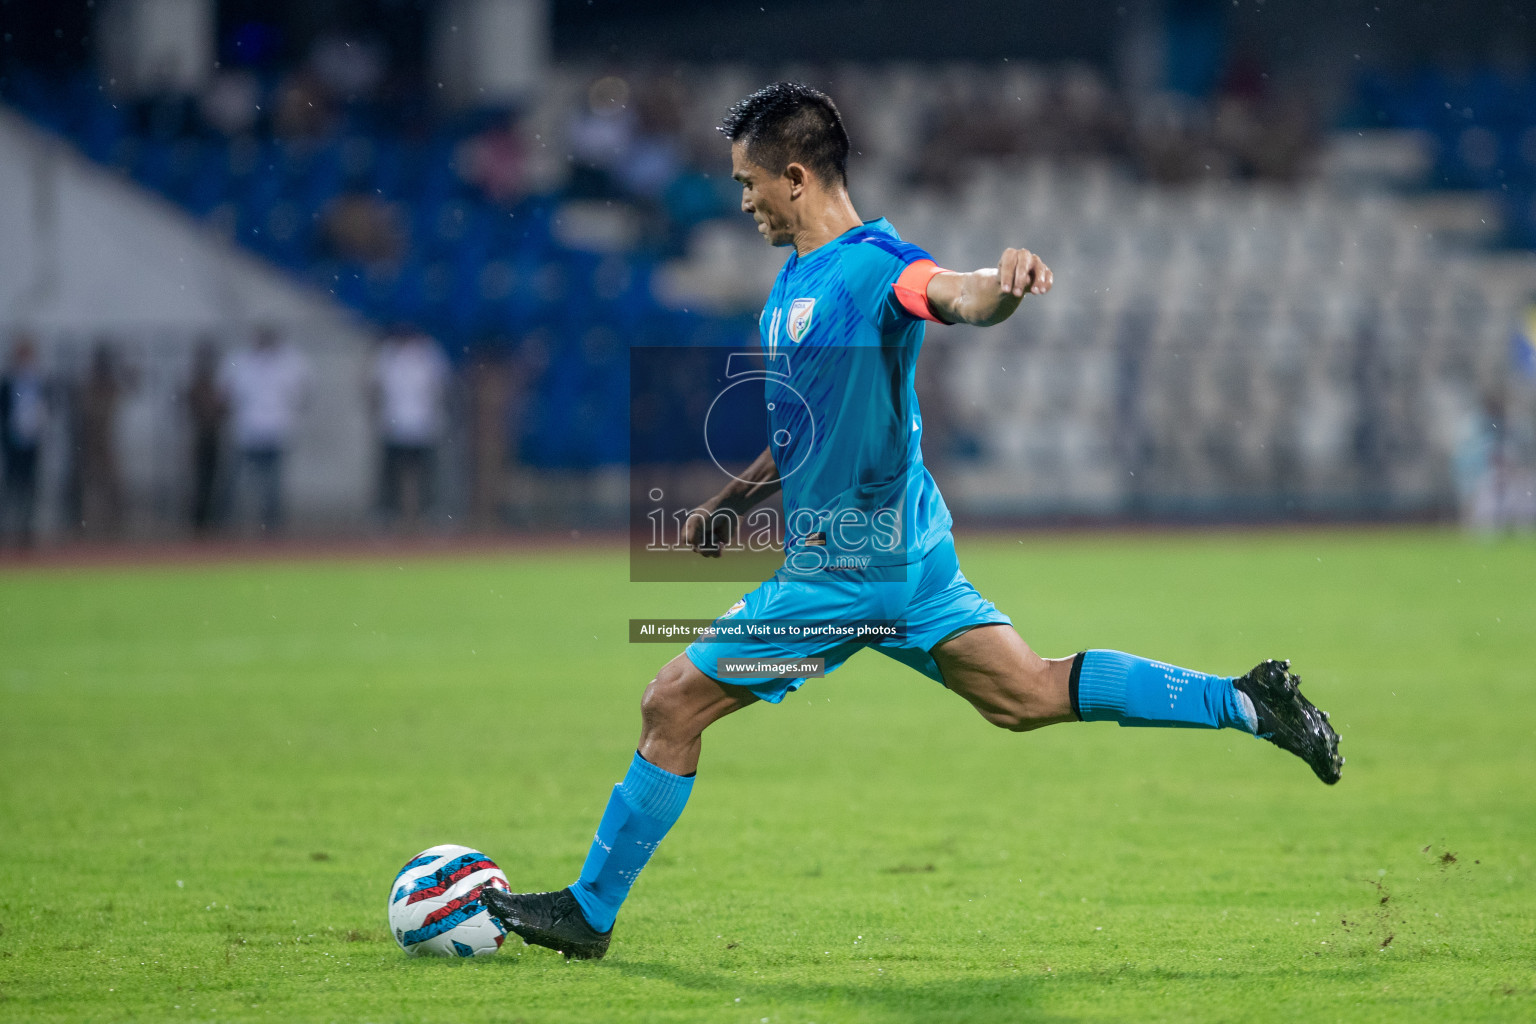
x: 640, y: 812
x: 1108, y: 686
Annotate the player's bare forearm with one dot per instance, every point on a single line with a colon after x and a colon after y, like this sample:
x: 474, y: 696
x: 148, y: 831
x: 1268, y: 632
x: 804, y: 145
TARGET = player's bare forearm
x: 753, y: 485
x: 990, y: 295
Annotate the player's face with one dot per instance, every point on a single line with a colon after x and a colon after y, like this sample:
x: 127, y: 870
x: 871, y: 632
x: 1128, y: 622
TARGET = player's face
x: 765, y: 195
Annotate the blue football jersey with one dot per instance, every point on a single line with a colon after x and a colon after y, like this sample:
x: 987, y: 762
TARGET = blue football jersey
x: 840, y: 352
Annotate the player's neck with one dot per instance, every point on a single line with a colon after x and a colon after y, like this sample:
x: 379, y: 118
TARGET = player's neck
x: 832, y: 215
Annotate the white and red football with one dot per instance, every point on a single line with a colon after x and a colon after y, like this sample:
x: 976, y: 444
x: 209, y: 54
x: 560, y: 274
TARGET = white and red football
x: 435, y: 908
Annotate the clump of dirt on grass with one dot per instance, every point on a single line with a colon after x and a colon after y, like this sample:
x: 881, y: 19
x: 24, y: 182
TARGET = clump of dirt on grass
x: 1445, y: 858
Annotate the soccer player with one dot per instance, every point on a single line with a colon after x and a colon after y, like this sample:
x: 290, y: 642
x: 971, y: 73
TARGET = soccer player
x: 867, y: 533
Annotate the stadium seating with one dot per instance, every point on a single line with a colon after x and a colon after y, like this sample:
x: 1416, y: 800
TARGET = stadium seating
x: 1214, y: 345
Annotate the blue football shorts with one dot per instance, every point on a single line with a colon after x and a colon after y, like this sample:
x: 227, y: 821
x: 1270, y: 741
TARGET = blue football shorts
x: 932, y: 603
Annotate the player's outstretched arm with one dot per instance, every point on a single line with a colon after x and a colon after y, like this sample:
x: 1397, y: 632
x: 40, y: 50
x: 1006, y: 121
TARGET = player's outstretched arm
x: 990, y: 295
x: 755, y: 484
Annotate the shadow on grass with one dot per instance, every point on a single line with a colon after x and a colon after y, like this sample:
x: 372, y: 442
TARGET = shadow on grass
x: 1030, y: 995
x: 962, y: 999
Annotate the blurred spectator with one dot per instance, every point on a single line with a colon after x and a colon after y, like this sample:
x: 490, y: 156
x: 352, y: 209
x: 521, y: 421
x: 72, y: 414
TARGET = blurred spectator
x: 96, y: 463
x: 207, y: 409
x: 23, y: 410
x: 362, y: 227
x: 231, y: 102
x: 266, y: 385
x: 694, y: 196
x: 349, y: 68
x: 655, y: 154
x: 1495, y: 482
x: 1268, y: 134
x: 494, y: 395
x: 1072, y: 114
x: 601, y: 136
x: 409, y: 385
x: 303, y: 108
x: 1089, y: 112
x: 1289, y: 138
x: 1172, y: 142
x: 496, y: 161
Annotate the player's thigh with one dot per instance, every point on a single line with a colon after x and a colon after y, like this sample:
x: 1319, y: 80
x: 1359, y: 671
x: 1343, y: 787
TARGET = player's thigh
x: 748, y: 632
x: 683, y: 701
x: 1013, y: 687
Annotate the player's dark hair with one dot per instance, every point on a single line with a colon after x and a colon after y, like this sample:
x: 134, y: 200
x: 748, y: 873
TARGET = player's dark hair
x: 787, y: 122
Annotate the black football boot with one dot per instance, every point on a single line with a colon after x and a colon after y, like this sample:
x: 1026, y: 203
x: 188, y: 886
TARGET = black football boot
x: 550, y: 919
x: 1289, y: 721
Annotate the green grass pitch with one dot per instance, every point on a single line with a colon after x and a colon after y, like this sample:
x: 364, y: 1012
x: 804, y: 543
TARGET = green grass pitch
x: 209, y: 776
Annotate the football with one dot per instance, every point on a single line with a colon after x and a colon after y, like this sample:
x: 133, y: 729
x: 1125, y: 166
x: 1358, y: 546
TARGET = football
x: 435, y: 908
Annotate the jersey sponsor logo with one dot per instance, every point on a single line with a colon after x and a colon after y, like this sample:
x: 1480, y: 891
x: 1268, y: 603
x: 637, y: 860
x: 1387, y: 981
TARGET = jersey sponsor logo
x: 799, y: 318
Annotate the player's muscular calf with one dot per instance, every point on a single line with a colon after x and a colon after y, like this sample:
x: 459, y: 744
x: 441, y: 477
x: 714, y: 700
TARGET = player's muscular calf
x: 1012, y: 686
x: 676, y: 708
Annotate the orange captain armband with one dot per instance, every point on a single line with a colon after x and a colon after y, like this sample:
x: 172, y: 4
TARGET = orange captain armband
x: 912, y: 290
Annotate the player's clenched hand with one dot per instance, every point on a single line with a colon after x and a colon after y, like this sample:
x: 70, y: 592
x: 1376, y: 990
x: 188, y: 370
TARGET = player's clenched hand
x: 1021, y: 271
x: 990, y: 295
x: 705, y: 531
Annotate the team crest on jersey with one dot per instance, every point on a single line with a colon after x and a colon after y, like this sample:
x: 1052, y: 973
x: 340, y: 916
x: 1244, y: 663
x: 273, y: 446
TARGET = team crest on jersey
x: 799, y: 319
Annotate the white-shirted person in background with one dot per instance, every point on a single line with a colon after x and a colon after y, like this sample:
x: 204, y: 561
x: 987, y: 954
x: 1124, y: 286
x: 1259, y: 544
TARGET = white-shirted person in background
x: 266, y: 383
x: 410, y: 381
